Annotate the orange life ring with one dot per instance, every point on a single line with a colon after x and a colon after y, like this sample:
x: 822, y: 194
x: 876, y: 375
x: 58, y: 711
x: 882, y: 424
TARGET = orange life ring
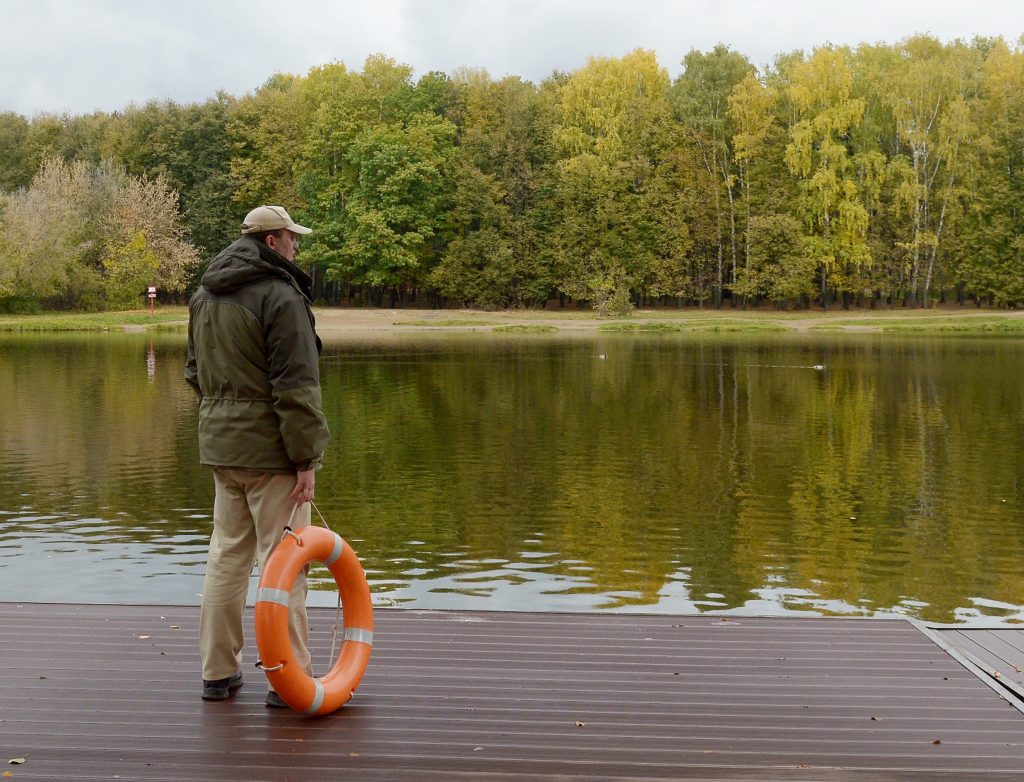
x: 300, y: 691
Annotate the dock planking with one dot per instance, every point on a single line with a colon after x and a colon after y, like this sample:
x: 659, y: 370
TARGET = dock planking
x: 997, y: 652
x: 109, y: 691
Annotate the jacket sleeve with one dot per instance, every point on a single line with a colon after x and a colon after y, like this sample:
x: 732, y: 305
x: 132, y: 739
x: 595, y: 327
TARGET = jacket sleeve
x: 294, y: 374
x: 191, y: 370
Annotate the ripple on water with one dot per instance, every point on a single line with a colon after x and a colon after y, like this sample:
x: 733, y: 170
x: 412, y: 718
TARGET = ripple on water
x: 675, y: 477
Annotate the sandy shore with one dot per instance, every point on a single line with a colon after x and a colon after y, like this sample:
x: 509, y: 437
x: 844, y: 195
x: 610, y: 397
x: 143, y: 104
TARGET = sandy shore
x: 338, y: 322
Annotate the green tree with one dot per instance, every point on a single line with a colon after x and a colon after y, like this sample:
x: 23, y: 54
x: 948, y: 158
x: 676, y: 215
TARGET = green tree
x: 202, y: 174
x: 16, y: 168
x: 396, y: 212
x: 778, y: 266
x: 346, y: 106
x: 989, y: 254
x: 701, y: 99
x: 190, y: 147
x: 494, y: 258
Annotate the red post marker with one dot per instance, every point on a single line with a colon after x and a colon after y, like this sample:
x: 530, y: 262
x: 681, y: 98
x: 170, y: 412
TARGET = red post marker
x: 152, y: 298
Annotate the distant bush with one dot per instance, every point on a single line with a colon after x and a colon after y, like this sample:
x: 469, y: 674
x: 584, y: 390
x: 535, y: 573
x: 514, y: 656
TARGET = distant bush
x: 17, y: 305
x: 91, y: 237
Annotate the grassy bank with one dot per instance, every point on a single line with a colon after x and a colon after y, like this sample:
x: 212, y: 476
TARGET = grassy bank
x: 94, y: 321
x: 977, y: 324
x: 718, y: 324
x: 336, y: 322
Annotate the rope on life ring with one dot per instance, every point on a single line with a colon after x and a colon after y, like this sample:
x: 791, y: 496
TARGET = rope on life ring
x: 300, y: 691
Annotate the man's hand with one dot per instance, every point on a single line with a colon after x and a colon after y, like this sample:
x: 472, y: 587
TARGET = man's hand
x: 305, y: 482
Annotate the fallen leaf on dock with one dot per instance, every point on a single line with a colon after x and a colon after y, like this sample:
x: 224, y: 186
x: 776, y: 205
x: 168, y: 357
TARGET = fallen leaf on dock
x: 16, y: 761
x: 937, y: 741
x: 142, y: 637
x: 580, y: 724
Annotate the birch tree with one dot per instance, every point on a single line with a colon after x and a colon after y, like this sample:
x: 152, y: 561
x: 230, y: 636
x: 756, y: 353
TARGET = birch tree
x: 928, y: 93
x: 752, y: 111
x: 819, y: 90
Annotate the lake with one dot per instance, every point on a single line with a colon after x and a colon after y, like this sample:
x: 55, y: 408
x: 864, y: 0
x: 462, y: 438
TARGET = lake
x: 859, y: 475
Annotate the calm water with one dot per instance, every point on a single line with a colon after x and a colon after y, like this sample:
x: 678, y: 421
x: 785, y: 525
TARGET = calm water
x: 666, y: 473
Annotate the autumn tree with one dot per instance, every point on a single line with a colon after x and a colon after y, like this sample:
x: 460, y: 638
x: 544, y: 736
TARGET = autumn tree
x: 929, y: 90
x: 620, y: 222
x: 91, y: 237
x: 752, y: 112
x: 819, y: 92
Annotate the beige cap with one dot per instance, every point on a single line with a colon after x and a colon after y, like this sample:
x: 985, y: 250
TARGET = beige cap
x: 271, y: 218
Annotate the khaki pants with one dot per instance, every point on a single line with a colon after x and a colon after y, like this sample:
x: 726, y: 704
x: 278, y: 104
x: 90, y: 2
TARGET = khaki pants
x: 249, y: 514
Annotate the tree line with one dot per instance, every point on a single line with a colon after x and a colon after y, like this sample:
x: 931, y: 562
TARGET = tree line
x: 888, y: 174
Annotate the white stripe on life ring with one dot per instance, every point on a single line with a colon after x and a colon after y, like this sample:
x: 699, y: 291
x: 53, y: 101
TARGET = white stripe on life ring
x: 339, y: 547
x: 318, y: 698
x: 271, y: 595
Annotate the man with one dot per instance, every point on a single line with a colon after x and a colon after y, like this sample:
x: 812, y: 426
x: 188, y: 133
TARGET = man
x: 253, y: 361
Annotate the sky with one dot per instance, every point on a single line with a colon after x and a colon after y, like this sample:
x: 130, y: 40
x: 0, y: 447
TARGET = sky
x: 78, y: 56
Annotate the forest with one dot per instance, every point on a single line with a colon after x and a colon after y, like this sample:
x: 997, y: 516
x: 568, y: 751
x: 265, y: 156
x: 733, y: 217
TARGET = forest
x: 878, y: 176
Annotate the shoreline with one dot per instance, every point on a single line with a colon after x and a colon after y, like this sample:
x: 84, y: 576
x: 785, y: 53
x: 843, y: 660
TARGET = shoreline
x: 337, y: 322
x: 334, y: 322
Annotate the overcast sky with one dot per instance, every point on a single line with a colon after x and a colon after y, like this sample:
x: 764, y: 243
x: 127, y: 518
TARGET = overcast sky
x: 80, y: 55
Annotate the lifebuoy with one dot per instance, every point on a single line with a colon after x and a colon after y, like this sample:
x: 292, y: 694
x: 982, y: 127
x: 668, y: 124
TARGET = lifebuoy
x: 300, y: 691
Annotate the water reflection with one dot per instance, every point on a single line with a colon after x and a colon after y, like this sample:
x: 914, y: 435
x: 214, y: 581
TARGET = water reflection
x: 836, y: 475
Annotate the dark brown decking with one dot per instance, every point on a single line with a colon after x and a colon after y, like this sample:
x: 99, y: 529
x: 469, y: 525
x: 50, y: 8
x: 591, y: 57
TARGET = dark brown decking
x: 112, y: 692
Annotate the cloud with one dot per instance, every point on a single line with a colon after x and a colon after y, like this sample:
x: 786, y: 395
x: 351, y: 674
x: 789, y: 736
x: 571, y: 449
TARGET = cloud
x: 73, y: 56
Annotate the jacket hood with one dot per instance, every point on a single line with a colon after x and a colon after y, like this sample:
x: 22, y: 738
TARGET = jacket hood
x: 246, y: 261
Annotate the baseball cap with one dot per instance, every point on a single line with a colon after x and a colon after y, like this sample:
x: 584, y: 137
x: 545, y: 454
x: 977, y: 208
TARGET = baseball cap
x: 271, y: 218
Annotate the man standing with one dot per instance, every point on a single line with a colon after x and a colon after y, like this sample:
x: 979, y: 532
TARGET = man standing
x: 253, y: 361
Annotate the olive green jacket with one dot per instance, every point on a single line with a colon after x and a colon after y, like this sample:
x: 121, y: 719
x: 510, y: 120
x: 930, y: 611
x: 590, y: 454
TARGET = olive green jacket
x: 253, y: 360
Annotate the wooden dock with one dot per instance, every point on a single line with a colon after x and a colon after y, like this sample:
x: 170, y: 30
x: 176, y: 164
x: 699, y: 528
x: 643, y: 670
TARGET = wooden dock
x: 91, y: 692
x: 995, y: 652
